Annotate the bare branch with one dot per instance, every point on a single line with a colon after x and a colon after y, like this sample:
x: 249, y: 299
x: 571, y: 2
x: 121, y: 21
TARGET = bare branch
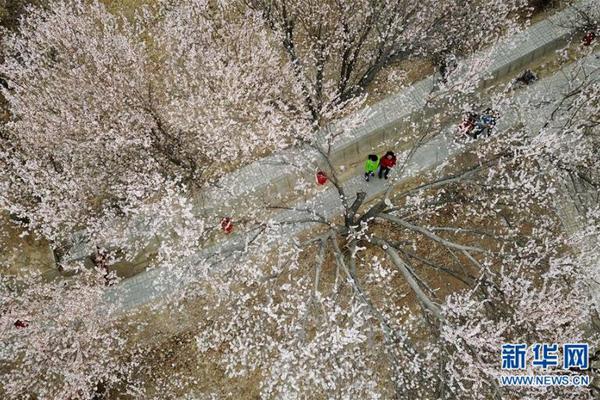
x: 405, y: 270
x: 429, y: 234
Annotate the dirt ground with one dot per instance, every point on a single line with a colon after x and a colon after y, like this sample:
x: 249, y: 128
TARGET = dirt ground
x: 21, y: 251
x: 172, y: 355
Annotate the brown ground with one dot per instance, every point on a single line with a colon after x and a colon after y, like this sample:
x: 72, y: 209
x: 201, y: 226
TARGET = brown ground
x: 177, y: 354
x: 172, y: 351
x: 22, y: 252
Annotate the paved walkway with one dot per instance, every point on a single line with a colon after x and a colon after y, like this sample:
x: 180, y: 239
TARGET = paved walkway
x: 250, y: 180
x: 254, y: 183
x: 500, y: 60
x: 151, y: 285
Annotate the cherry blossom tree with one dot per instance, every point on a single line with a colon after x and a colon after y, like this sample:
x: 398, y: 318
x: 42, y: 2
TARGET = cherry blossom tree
x: 413, y: 294
x: 57, y: 342
x: 406, y: 295
x: 10, y: 11
x: 186, y: 91
x: 122, y: 107
x: 339, y: 48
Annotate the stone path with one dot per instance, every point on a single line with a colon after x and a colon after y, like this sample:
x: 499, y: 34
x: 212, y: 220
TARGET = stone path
x: 499, y: 61
x: 153, y: 284
x: 253, y: 183
x: 251, y: 180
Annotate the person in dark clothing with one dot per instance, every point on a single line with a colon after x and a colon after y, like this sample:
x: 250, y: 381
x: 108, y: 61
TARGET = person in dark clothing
x: 526, y: 78
x: 388, y: 161
x: 19, y: 324
x: 588, y: 39
x: 485, y: 124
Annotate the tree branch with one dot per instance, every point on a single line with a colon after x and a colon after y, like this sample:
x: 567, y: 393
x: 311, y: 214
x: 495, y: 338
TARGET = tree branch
x: 430, y: 235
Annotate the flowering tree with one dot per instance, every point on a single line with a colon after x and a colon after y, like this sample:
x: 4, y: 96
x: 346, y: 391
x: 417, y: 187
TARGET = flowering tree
x: 186, y: 91
x: 57, y: 341
x: 359, y: 306
x: 338, y: 48
x: 107, y: 110
x: 114, y: 119
x: 412, y: 295
x: 10, y: 11
x: 409, y: 295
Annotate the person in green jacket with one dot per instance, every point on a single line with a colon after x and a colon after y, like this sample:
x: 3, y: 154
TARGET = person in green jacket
x: 371, y: 166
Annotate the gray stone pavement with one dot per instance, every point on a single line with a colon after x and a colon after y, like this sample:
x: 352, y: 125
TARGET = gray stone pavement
x: 503, y: 58
x: 151, y: 285
x: 257, y: 181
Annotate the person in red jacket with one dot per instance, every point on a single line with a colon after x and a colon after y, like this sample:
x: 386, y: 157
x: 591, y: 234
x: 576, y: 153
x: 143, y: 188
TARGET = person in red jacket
x: 388, y: 161
x: 19, y: 324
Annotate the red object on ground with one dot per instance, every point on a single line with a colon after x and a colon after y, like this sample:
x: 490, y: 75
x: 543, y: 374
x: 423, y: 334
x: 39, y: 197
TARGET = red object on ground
x: 227, y: 225
x: 21, y: 324
x: 588, y: 38
x: 467, y: 125
x: 321, y: 178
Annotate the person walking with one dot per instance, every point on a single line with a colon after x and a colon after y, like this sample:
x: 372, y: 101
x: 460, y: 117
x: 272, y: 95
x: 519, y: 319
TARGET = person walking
x: 485, y: 124
x: 526, y: 78
x: 468, y: 124
x: 371, y: 166
x: 388, y: 161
